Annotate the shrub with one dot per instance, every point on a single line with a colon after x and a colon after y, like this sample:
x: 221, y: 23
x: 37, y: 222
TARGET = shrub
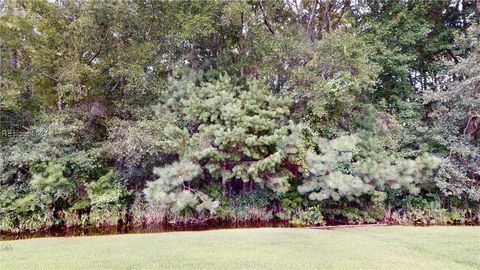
x: 311, y: 216
x: 107, y: 198
x: 252, y: 205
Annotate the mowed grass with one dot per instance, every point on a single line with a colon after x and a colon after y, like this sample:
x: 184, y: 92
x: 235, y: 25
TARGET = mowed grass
x: 266, y: 248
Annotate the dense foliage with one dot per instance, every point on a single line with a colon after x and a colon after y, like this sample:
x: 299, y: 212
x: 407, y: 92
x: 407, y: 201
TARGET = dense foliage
x: 144, y: 112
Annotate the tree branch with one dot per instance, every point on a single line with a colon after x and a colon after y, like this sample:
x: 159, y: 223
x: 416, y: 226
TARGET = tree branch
x: 265, y: 20
x: 344, y: 7
x: 100, y: 47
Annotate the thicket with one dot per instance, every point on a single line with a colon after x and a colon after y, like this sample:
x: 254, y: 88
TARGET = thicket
x: 315, y: 112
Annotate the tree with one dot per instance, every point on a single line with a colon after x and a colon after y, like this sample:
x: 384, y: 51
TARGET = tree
x: 336, y: 76
x: 339, y: 171
x: 456, y: 125
x: 238, y: 135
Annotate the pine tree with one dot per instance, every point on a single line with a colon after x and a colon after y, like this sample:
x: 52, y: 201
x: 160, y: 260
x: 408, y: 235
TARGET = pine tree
x: 239, y: 134
x: 337, y: 171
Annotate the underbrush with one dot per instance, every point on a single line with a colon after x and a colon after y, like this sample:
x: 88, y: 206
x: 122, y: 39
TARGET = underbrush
x: 255, y: 208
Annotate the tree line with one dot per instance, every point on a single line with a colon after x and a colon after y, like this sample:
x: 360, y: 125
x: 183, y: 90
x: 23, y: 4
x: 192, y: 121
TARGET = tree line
x: 311, y: 111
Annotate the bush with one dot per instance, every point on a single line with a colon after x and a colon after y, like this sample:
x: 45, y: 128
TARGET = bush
x: 311, y: 216
x: 252, y: 205
x: 108, y: 200
x: 421, y: 211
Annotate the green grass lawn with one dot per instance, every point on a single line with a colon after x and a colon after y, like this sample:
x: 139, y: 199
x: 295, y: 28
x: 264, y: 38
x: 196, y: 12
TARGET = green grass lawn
x: 267, y: 248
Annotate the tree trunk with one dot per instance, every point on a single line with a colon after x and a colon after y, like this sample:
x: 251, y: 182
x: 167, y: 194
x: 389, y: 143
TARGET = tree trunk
x: 14, y: 60
x: 476, y: 9
x: 59, y: 102
x: 326, y: 17
x: 225, y: 188
x: 214, y: 48
x: 311, y: 22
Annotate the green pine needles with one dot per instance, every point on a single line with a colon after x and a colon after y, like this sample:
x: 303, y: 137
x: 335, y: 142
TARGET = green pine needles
x: 237, y: 132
